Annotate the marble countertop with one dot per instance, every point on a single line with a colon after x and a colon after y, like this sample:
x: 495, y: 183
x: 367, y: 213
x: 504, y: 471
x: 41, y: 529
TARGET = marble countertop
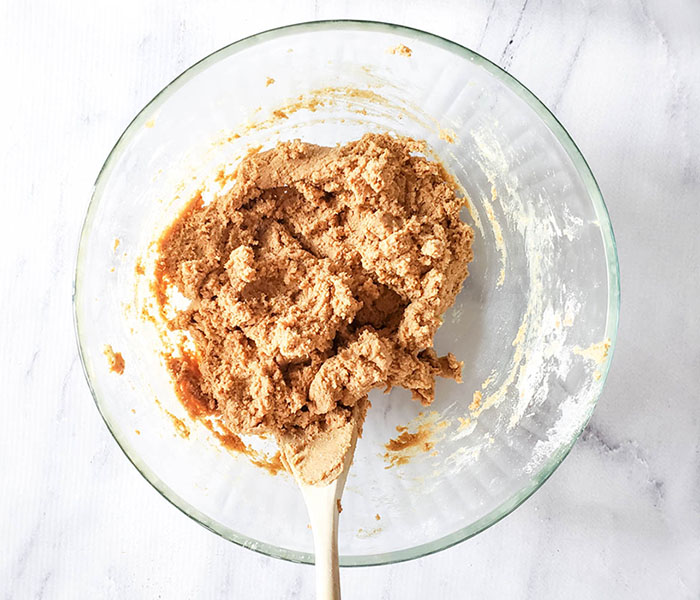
x: 619, y: 519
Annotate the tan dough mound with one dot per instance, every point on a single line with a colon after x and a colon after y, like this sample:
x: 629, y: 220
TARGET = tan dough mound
x: 321, y: 275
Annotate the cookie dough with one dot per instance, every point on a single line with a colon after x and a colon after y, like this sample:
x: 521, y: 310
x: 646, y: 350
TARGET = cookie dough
x: 321, y: 273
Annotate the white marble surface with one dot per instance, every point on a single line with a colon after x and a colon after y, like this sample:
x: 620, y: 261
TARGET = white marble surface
x: 619, y: 519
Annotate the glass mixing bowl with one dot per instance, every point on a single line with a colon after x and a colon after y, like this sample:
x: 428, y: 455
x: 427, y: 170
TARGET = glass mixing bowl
x: 535, y: 323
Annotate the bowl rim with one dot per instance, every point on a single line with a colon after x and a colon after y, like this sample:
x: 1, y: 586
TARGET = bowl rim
x: 583, y: 171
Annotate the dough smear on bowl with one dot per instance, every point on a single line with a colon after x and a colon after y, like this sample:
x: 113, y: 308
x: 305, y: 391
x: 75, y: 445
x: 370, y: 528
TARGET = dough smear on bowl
x: 320, y: 275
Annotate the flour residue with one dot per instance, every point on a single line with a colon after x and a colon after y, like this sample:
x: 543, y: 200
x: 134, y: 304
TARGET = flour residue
x: 596, y: 353
x: 497, y: 233
x: 542, y: 352
x: 448, y: 135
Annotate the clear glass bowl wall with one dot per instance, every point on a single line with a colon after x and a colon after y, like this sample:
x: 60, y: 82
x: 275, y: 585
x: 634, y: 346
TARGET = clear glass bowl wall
x: 531, y: 323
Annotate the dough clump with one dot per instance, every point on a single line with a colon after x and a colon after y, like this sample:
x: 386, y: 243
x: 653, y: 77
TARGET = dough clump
x: 321, y: 274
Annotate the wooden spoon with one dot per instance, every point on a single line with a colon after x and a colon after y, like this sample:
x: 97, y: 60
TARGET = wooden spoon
x: 320, y: 467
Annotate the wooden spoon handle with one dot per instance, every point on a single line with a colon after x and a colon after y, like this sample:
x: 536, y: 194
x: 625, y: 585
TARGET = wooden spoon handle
x: 324, y: 525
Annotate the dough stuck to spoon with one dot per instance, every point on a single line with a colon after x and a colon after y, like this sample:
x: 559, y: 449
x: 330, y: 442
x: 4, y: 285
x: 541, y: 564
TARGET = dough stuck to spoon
x: 318, y: 459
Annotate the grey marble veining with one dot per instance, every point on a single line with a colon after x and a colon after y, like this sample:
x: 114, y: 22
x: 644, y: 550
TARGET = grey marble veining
x: 619, y: 519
